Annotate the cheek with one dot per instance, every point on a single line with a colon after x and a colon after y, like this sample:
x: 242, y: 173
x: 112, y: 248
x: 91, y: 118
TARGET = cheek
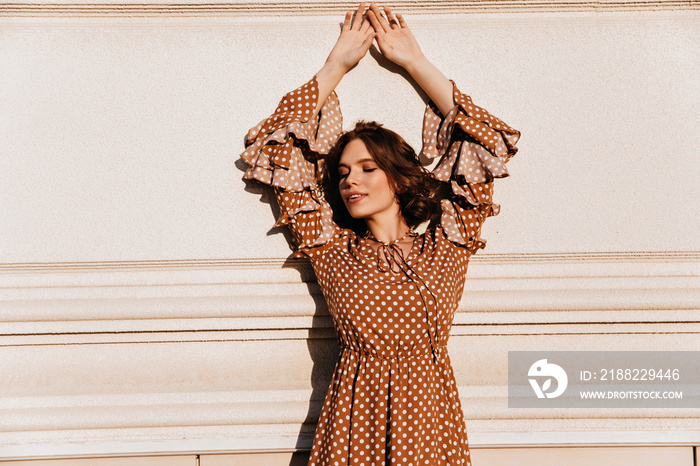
x: 339, y: 193
x: 384, y: 185
x: 342, y: 189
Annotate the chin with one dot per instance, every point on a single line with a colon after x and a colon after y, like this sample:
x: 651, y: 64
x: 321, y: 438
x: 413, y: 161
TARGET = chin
x: 357, y: 216
x: 354, y: 213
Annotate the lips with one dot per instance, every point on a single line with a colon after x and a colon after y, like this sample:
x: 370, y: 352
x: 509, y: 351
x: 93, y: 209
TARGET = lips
x: 354, y: 197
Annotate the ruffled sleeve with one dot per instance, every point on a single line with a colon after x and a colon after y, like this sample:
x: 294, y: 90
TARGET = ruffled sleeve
x: 283, y: 151
x: 474, y: 147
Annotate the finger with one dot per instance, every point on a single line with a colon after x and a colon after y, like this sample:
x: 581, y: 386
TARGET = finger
x: 376, y: 25
x: 382, y: 22
x: 402, y: 23
x: 390, y: 18
x: 346, y: 23
x: 367, y: 43
x: 358, y: 16
x: 366, y: 25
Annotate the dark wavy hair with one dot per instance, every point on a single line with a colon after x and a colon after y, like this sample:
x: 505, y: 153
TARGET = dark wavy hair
x: 418, y: 193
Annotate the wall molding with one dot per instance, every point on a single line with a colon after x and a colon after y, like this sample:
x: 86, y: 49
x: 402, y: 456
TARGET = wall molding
x: 266, y: 262
x: 273, y: 420
x: 477, y: 440
x: 301, y: 8
x: 278, y: 299
x: 264, y: 407
x: 129, y: 358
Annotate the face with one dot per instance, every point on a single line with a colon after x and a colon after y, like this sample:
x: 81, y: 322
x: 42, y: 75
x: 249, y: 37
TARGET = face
x: 364, y: 187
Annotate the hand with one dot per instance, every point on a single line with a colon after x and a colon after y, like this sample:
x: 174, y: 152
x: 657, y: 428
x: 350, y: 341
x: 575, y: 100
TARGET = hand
x: 396, y: 42
x: 395, y: 39
x: 355, y: 39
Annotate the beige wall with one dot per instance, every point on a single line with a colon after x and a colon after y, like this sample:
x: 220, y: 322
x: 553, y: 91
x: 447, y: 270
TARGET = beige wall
x: 147, y: 309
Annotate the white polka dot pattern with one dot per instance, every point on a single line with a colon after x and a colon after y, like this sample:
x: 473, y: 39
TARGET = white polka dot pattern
x: 393, y: 399
x: 474, y: 147
x: 283, y: 151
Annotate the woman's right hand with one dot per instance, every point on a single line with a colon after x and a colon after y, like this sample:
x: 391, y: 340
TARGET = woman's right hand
x: 355, y: 39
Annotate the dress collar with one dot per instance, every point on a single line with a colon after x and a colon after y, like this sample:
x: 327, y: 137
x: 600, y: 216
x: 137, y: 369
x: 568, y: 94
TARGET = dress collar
x: 409, y: 234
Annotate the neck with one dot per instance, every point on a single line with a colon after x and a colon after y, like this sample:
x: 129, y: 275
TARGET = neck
x: 386, y: 232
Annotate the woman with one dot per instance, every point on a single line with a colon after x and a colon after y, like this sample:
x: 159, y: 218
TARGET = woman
x: 391, y: 292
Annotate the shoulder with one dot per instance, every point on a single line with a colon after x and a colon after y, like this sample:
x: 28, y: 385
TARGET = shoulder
x: 436, y: 239
x: 343, y: 241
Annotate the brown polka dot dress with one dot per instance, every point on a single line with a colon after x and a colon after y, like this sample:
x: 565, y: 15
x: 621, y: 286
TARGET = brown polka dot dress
x: 393, y: 398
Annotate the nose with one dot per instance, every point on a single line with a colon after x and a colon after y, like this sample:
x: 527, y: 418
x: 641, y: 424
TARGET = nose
x: 350, y: 179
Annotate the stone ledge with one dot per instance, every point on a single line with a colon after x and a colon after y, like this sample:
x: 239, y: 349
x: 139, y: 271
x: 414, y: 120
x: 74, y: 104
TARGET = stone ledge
x: 270, y: 299
x: 273, y: 442
x: 305, y: 8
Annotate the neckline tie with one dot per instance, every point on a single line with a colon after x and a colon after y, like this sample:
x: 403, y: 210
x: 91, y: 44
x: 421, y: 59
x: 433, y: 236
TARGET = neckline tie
x: 391, y: 255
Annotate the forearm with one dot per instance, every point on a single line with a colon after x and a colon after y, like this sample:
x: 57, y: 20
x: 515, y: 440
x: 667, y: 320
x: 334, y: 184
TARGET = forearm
x: 328, y: 78
x: 433, y: 82
x: 355, y: 39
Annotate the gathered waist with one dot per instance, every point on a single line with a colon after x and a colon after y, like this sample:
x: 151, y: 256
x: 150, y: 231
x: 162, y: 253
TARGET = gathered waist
x: 392, y: 355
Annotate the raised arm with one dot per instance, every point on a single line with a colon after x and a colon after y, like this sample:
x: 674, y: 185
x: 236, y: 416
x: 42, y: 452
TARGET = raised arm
x: 473, y: 146
x: 283, y: 150
x: 355, y: 39
x: 397, y: 43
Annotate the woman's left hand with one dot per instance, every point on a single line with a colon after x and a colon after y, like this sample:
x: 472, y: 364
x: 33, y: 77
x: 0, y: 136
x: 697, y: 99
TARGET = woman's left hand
x: 395, y: 39
x: 396, y: 42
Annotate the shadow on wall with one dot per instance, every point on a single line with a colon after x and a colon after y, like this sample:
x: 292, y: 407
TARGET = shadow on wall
x: 299, y: 459
x: 323, y: 349
x: 321, y: 340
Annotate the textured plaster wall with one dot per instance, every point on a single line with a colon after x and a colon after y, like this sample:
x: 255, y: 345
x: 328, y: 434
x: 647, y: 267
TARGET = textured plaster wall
x: 119, y: 137
x: 146, y: 306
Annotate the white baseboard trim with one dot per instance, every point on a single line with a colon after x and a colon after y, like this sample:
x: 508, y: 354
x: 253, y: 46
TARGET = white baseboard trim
x: 477, y: 440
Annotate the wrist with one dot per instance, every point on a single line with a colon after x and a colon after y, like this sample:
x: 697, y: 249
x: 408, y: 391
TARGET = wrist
x: 418, y: 65
x: 335, y: 67
x: 327, y: 79
x: 331, y: 72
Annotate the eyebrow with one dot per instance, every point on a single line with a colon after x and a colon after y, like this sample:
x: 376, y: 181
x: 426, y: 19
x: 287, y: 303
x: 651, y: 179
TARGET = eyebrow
x: 365, y: 160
